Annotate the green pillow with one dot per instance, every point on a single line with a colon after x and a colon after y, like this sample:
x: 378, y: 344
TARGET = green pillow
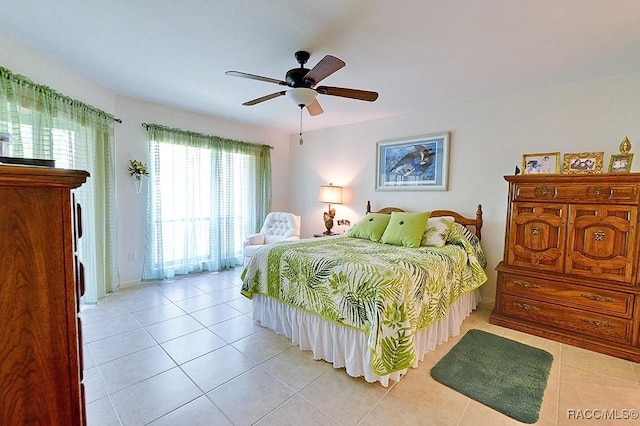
x: 405, y: 229
x: 370, y: 227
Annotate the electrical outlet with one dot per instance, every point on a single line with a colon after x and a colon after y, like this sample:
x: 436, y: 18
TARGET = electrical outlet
x: 133, y: 255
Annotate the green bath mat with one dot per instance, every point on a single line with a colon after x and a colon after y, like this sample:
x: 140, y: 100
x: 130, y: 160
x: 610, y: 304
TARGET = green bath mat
x: 508, y: 376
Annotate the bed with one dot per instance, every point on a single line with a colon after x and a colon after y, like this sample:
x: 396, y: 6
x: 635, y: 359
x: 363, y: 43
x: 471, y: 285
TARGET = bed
x: 366, y: 301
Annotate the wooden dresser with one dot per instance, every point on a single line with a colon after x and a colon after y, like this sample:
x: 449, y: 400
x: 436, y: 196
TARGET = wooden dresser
x: 571, y: 257
x: 40, y: 350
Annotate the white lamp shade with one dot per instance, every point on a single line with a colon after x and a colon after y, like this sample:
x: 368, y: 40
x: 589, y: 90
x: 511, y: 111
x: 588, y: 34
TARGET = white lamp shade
x: 330, y: 194
x: 301, y: 96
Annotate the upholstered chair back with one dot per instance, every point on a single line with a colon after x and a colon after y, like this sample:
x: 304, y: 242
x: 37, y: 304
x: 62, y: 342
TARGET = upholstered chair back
x: 279, y: 226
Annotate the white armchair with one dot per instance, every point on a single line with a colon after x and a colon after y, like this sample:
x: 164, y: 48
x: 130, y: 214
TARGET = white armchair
x: 278, y: 226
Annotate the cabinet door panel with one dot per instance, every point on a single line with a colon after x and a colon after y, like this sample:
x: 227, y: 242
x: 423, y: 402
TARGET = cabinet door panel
x: 536, y: 237
x: 600, y: 242
x: 35, y: 362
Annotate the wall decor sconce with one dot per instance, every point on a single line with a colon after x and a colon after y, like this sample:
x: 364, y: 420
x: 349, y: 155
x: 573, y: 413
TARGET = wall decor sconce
x: 137, y: 170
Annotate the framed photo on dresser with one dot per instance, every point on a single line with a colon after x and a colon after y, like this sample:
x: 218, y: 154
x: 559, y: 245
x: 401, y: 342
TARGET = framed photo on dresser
x: 620, y: 163
x: 542, y: 163
x: 583, y: 162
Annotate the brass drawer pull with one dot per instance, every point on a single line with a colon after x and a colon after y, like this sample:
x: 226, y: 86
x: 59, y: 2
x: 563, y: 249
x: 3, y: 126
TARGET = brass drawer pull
x: 598, y: 191
x: 545, y: 192
x: 598, y: 298
x: 525, y: 306
x: 525, y: 284
x: 535, y: 230
x: 597, y: 323
x: 599, y: 235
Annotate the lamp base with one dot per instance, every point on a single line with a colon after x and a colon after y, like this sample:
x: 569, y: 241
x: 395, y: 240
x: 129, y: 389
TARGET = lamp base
x: 328, y: 221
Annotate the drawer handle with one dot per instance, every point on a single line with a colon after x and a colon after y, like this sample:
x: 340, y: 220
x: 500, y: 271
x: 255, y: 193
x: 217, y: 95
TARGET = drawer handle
x: 535, y: 230
x: 544, y: 191
x: 598, y: 298
x: 598, y: 235
x: 598, y: 191
x: 525, y: 284
x: 597, y: 323
x: 525, y: 306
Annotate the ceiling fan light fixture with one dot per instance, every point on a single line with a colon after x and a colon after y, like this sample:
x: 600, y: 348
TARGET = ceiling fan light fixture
x: 301, y: 96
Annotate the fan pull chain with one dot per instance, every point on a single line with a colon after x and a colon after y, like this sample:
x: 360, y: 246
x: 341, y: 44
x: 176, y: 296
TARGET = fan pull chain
x: 301, y: 141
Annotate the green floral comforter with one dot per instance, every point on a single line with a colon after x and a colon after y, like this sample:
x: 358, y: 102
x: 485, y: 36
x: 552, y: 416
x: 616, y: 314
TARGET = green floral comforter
x: 388, y: 292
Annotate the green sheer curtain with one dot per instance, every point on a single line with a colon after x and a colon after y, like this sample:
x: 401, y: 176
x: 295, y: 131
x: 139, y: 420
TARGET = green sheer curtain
x: 48, y: 125
x: 206, y: 194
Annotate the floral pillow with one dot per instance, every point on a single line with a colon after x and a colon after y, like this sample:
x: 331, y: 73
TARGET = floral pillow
x: 436, y: 231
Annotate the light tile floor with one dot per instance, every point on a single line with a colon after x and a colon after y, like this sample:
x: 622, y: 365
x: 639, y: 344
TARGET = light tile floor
x: 186, y: 352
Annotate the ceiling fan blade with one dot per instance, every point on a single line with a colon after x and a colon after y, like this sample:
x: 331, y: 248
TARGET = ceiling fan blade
x: 314, y: 108
x: 264, y: 98
x: 363, y: 95
x: 256, y: 77
x: 327, y: 66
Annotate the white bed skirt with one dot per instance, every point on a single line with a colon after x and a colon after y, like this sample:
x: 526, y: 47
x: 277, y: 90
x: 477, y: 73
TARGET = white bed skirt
x: 346, y: 347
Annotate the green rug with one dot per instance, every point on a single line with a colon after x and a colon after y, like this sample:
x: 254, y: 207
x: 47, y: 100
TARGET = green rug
x: 503, y: 374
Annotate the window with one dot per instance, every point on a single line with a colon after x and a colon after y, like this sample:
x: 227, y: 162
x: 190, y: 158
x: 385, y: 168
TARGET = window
x: 206, y: 195
x: 45, y: 124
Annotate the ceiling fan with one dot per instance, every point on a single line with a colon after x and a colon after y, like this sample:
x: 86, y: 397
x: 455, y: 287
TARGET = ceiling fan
x: 301, y: 83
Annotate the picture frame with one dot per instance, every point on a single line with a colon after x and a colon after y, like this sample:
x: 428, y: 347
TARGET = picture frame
x: 543, y: 163
x: 583, y: 162
x: 620, y: 163
x: 418, y: 163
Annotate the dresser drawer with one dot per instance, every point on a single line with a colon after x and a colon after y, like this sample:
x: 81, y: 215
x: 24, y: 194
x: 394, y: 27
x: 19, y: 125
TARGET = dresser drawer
x: 598, y: 193
x: 575, y: 320
x: 606, y: 302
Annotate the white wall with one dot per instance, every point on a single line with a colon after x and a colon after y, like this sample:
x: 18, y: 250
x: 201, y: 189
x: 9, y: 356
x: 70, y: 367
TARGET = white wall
x: 41, y: 69
x: 487, y: 141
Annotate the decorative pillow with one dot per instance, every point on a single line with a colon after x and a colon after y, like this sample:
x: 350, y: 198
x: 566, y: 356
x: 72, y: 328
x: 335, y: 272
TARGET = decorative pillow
x: 437, y: 231
x: 471, y: 238
x: 371, y: 227
x: 405, y: 229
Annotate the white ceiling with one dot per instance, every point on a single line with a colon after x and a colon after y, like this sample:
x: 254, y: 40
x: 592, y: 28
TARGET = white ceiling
x: 417, y: 54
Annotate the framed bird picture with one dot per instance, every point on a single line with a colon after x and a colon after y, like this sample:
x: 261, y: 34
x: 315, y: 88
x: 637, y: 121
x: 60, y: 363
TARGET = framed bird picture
x: 413, y: 164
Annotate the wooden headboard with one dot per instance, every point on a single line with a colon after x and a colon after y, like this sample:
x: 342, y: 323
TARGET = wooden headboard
x: 474, y: 224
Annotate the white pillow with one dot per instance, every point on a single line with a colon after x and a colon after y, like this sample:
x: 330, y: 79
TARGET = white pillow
x: 436, y: 231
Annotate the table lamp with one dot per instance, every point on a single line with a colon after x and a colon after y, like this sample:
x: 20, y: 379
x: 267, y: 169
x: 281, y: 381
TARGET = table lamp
x: 332, y: 195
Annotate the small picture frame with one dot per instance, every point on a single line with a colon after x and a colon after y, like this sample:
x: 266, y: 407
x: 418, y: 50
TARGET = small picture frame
x: 541, y: 164
x: 583, y: 163
x: 620, y: 163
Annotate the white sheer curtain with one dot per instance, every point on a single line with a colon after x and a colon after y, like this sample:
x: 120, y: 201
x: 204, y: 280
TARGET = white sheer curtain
x: 206, y: 194
x: 47, y: 125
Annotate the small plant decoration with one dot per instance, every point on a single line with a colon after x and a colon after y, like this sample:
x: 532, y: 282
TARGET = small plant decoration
x: 137, y: 169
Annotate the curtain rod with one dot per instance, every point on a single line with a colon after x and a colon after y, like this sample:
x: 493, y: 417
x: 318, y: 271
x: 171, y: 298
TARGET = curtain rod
x: 117, y: 120
x: 146, y: 126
